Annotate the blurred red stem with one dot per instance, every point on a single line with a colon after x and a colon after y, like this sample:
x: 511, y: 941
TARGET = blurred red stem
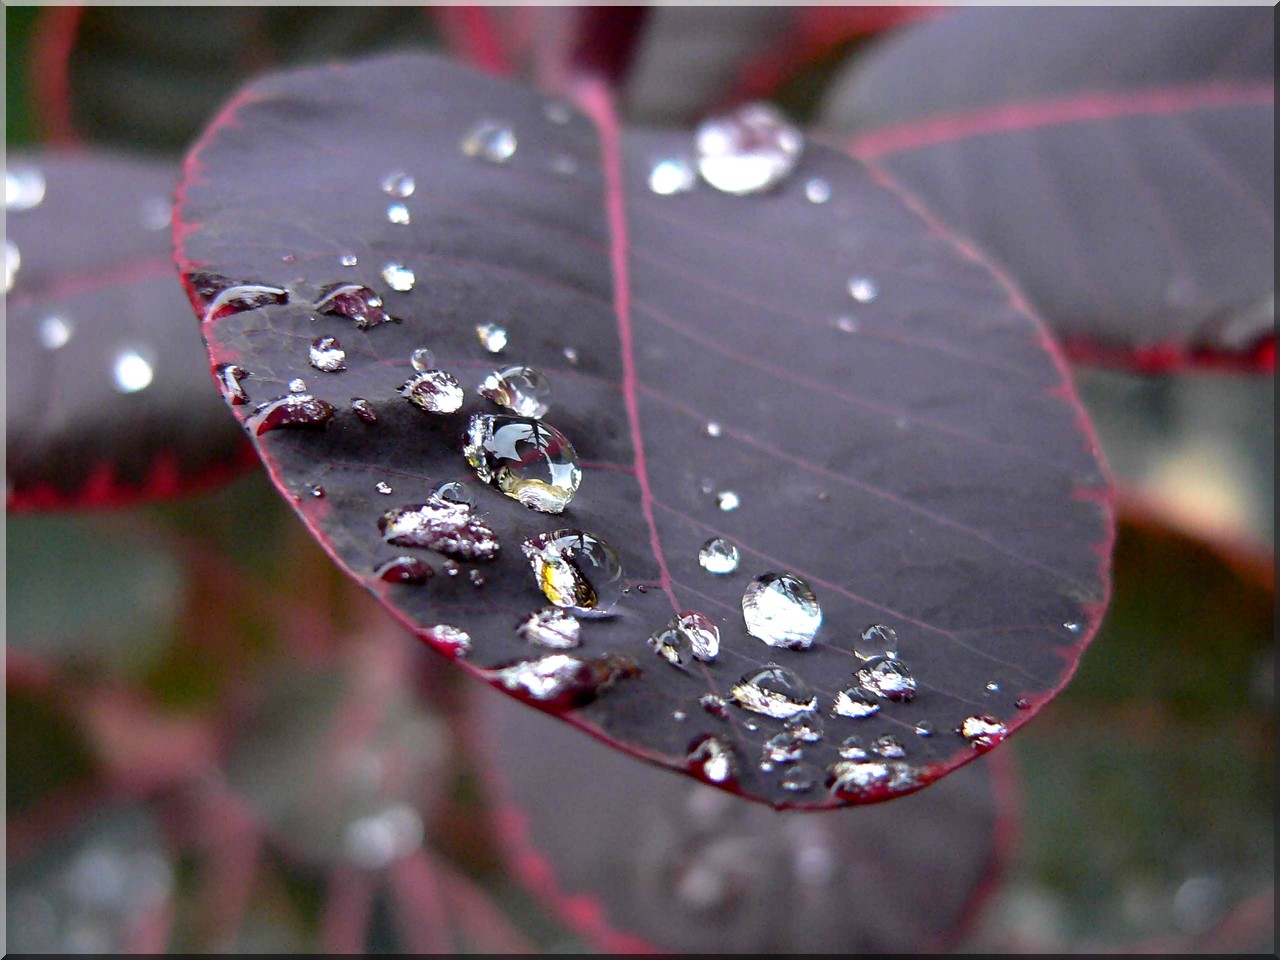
x: 50, y: 75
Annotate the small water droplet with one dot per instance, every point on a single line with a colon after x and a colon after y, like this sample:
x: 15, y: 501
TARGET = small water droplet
x: 353, y: 301
x: 851, y: 749
x: 1072, y: 626
x: 863, y: 289
x: 557, y: 111
x: 845, y: 324
x: 780, y: 748
x: 297, y: 385
x: 889, y: 747
x: 291, y: 410
x: 476, y: 578
x: 551, y: 627
x: 924, y: 729
x: 224, y: 298
x: 860, y: 777
x: 817, y: 190
x: 522, y: 390
x: 992, y: 687
x: 490, y: 141
x: 774, y: 691
x: 687, y: 636
x: 526, y: 459
x: 364, y: 410
x: 781, y: 610
x: 672, y: 175
x: 435, y: 391
x: 229, y: 376
x: 727, y: 500
x: 801, y: 778
x: 560, y: 677
x: 855, y: 703
x: 451, y: 569
x: 12, y: 263
x: 714, y: 705
x: 564, y: 165
x: 422, y: 360
x: 678, y: 715
x: 454, y: 492
x: 132, y: 371
x: 748, y: 151
x: 719, y: 556
x: 889, y: 679
x: 348, y: 260
x: 155, y: 213
x: 327, y: 355
x: 807, y: 727
x: 317, y: 491
x: 876, y: 641
x: 492, y: 337
x: 383, y: 488
x: 24, y: 188
x: 576, y: 570
x: 714, y: 759
x: 671, y: 646
x: 54, y: 332
x: 398, y: 277
x: 452, y: 640
x: 571, y: 355
x: 449, y: 528
x: 712, y: 429
x: 397, y: 183
x: 983, y: 731
x: 398, y: 214
x: 1022, y: 703
x: 404, y: 570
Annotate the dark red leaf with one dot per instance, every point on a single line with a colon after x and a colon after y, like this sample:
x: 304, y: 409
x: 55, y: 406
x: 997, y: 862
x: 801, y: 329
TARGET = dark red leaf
x: 109, y: 399
x: 930, y: 470
x: 1118, y: 161
x: 634, y: 859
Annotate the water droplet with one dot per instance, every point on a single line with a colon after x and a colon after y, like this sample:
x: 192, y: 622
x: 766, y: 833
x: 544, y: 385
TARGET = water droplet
x: 867, y: 776
x: 855, y: 703
x: 876, y: 641
x: 1072, y: 626
x: 716, y: 706
x: 398, y: 184
x: 398, y: 213
x: 801, y: 778
x: 571, y: 355
x: 452, y: 640
x: 863, y: 289
x: 727, y: 500
x: 398, y: 277
x: 924, y: 729
x: 449, y: 528
x: 780, y: 748
x: 526, y: 459
x: 1022, y: 703
x: 224, y: 298
x: 851, y: 749
x: 561, y: 677
x: 291, y: 410
x: 845, y: 324
x: 889, y: 747
x: 297, y: 385
x: 712, y: 429
x: 317, y: 491
x: 24, y: 188
x: 379, y: 840
x: 12, y: 262
x: 522, y: 390
x: 451, y: 569
x: 774, y: 691
x: 364, y: 410
x: 353, y: 301
x: 714, y: 759
x: 807, y: 727
x: 557, y: 111
x: 686, y: 637
x: 383, y: 488
x: 672, y: 175
x: 679, y: 715
x: 403, y: 570
x: 576, y: 570
x: 564, y: 165
x: 781, y: 610
x: 551, y: 627
x: 983, y: 731
x: 435, y: 391
x: 719, y: 556
x: 817, y: 190
x: 672, y: 646
x: 490, y: 141
x: 992, y: 687
x: 327, y: 355
x: 476, y: 578
x: 155, y: 213
x: 131, y: 371
x: 54, y: 332
x: 888, y: 678
x: 422, y: 360
x: 229, y: 376
x: 747, y: 151
x: 492, y: 337
x: 348, y: 260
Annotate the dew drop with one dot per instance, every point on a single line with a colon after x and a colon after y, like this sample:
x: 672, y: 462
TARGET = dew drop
x: 24, y: 188
x: 489, y: 141
x: 889, y: 679
x: 398, y: 214
x: 364, y: 410
x: 863, y: 289
x: 719, y: 556
x: 714, y: 759
x: 229, y: 376
x: 224, y: 298
x: 714, y: 705
x: 557, y: 111
x: 845, y: 324
x: 551, y: 627
x: 348, y: 260
x: 679, y: 715
x: 492, y: 337
x: 383, y: 488
x: 780, y: 748
x: 317, y: 491
x: 781, y: 610
x: 561, y: 677
x: 774, y: 691
x: 526, y: 459
x: 983, y: 731
x: 132, y: 372
x: 992, y: 687
x: 422, y: 360
x: 747, y: 151
x: 297, y: 385
x: 924, y: 729
x: 889, y: 747
x: 865, y: 776
x: 855, y: 703
x: 686, y: 637
x: 801, y: 778
x: 291, y: 410
x: 712, y: 429
x: 851, y: 749
x: 1022, y: 703
x: 727, y: 500
x: 451, y: 569
x: 327, y: 355
x: 453, y: 640
x: 12, y: 263
x: 672, y: 646
x: 672, y: 175
x: 876, y: 641
x: 476, y: 578
x: 54, y: 332
x: 522, y: 390
x: 448, y: 528
x: 397, y: 183
x: 807, y: 727
x: 571, y: 355
x: 435, y: 391
x: 404, y: 570
x: 817, y: 190
x: 155, y: 213
x: 398, y: 277
x: 576, y: 570
x: 354, y: 302
x: 1072, y: 626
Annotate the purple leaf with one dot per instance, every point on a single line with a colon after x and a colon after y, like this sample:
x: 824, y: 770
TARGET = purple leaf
x: 109, y: 399
x: 689, y: 869
x: 920, y: 460
x: 1118, y: 161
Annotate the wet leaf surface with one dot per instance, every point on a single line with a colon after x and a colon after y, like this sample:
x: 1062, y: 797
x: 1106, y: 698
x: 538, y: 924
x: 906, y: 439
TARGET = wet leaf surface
x: 917, y: 456
x: 108, y: 395
x: 1118, y: 161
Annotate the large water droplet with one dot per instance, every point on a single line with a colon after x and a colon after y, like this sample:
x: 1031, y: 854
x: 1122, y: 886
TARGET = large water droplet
x: 526, y: 459
x: 397, y: 183
x: 714, y: 759
x: 672, y: 175
x: 492, y: 337
x: 719, y: 556
x: 747, y: 151
x: 489, y: 141
x: 576, y: 570
x: 983, y: 731
x: 774, y: 691
x: 23, y: 188
x: 855, y: 703
x: 224, y: 298
x: 781, y: 610
x: 398, y: 214
x: 863, y: 289
x: 54, y: 332
x: 422, y: 360
x: 403, y: 570
x: 131, y: 371
x: 364, y: 410
x: 449, y: 528
x: 876, y: 641
x: 888, y: 678
x: 561, y: 677
x: 436, y: 391
x: 327, y: 355
x: 291, y: 410
x: 398, y: 277
x: 551, y: 627
x: 522, y: 390
x: 229, y: 376
x: 817, y: 190
x: 353, y: 301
